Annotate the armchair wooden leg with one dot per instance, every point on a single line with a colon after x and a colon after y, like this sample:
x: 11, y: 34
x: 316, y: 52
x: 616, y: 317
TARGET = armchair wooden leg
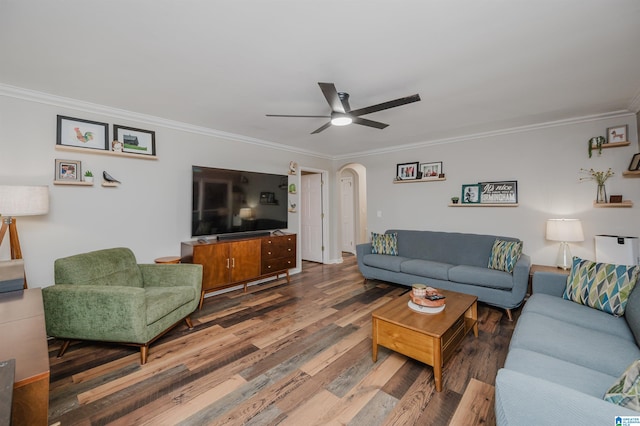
x: 509, y: 316
x: 63, y: 348
x: 189, y: 323
x: 144, y: 352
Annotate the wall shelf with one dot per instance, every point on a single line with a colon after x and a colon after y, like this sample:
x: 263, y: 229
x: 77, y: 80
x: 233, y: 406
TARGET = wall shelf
x: 484, y: 205
x: 434, y: 179
x: 72, y: 182
x: 103, y: 152
x: 624, y: 203
x: 631, y: 173
x: 110, y: 184
x: 614, y: 144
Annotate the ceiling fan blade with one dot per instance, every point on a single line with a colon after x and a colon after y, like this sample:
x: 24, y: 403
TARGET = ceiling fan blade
x: 331, y: 94
x: 301, y: 116
x: 324, y: 127
x: 386, y: 105
x: 370, y: 123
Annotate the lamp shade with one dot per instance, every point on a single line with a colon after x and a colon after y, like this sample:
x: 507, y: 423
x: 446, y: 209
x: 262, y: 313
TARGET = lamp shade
x: 565, y: 230
x: 16, y: 201
x: 246, y: 213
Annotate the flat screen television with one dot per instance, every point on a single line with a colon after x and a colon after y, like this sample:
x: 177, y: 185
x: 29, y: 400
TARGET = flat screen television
x: 237, y: 201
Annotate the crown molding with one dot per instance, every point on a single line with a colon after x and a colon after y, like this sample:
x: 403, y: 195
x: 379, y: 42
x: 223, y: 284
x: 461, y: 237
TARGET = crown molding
x: 489, y: 134
x: 75, y: 104
x: 88, y: 107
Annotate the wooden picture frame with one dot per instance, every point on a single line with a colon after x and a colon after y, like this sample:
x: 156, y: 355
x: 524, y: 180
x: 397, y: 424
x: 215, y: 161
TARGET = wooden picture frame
x: 82, y: 133
x: 617, y: 133
x: 635, y: 162
x: 134, y: 141
x: 407, y: 171
x: 68, y: 170
x: 470, y: 194
x: 431, y: 170
x: 502, y: 192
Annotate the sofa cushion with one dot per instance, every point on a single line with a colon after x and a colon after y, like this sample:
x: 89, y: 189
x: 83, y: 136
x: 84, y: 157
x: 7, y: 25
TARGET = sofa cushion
x: 481, y: 276
x: 573, y: 343
x: 632, y: 313
x: 426, y: 268
x: 504, y: 255
x: 555, y: 370
x: 162, y: 300
x: 602, y: 286
x: 574, y: 313
x: 384, y: 243
x: 383, y: 261
x: 626, y: 389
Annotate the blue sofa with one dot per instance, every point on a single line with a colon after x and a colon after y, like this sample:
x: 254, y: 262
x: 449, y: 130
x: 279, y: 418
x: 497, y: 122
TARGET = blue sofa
x: 563, y: 357
x: 451, y: 261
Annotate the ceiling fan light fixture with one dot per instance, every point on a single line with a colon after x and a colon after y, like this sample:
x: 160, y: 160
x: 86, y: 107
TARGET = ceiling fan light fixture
x: 341, y: 120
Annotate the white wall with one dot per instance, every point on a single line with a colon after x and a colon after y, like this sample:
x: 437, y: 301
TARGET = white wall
x: 546, y: 162
x: 149, y: 212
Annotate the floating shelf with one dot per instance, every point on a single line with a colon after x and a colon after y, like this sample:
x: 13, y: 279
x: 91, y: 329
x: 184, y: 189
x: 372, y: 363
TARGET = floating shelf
x: 483, y: 205
x: 435, y: 179
x: 110, y: 184
x: 72, y: 182
x: 624, y: 203
x: 614, y: 144
x: 104, y: 152
x: 631, y: 173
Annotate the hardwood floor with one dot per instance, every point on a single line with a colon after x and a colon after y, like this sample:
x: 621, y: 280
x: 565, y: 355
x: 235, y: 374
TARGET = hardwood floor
x: 286, y: 354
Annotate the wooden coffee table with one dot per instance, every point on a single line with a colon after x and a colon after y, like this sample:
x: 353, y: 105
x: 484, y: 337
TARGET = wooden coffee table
x: 429, y: 338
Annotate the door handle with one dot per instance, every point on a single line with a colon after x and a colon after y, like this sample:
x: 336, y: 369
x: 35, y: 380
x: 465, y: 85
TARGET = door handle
x: 233, y: 262
x: 227, y: 263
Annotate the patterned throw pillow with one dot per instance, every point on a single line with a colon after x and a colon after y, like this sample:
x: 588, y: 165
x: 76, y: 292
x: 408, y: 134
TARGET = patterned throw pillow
x: 626, y: 390
x: 603, y: 286
x: 384, y: 243
x: 505, y: 255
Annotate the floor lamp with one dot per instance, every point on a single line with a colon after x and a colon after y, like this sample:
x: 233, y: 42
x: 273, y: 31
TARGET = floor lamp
x: 566, y: 231
x: 16, y: 201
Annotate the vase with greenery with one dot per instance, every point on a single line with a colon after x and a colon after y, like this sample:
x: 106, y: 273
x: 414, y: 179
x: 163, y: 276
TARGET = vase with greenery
x: 88, y: 176
x: 455, y: 200
x: 600, y: 178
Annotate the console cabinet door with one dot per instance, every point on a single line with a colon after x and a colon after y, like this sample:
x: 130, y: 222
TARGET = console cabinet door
x: 215, y: 262
x: 245, y: 260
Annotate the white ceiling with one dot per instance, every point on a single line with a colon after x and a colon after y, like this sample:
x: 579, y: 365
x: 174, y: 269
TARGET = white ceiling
x: 478, y: 65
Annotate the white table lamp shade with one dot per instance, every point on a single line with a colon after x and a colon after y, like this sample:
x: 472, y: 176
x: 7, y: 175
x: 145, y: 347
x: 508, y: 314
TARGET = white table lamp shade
x: 16, y: 201
x: 564, y: 230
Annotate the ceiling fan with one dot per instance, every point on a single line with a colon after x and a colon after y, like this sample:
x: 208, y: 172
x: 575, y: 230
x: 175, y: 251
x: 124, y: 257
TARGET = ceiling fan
x: 342, y: 114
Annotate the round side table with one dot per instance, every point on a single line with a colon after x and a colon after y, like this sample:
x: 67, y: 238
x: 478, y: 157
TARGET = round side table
x: 168, y: 260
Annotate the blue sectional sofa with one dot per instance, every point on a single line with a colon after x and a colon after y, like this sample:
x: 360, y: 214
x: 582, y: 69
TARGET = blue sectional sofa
x: 563, y: 357
x: 451, y: 261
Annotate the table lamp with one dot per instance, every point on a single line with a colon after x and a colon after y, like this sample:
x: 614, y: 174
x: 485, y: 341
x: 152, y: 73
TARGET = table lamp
x: 565, y: 231
x: 16, y: 201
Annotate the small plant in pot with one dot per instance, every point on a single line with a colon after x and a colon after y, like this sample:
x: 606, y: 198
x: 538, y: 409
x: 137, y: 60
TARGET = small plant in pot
x: 455, y: 200
x: 88, y: 176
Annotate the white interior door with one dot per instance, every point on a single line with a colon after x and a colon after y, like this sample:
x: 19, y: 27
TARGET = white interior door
x: 347, y: 216
x: 311, y: 217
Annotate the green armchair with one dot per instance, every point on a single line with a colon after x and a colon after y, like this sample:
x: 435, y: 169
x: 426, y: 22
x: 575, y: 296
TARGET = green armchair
x: 106, y: 295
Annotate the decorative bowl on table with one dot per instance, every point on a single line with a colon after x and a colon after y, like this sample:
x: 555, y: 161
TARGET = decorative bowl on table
x: 432, y: 302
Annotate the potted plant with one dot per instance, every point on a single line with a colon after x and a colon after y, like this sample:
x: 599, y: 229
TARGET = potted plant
x: 88, y: 176
x: 455, y: 200
x: 596, y: 142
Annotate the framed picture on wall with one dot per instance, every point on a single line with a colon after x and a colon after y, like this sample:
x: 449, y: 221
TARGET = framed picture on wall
x: 82, y: 133
x: 635, y: 162
x: 617, y: 134
x: 135, y: 141
x: 68, y: 170
x: 407, y: 171
x: 431, y: 170
x: 470, y: 194
x: 504, y: 192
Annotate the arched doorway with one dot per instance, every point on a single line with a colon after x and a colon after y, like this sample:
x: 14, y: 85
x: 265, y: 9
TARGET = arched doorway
x: 352, y: 227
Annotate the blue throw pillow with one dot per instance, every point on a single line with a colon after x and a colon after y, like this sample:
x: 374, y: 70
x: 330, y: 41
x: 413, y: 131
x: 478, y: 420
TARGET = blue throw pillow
x: 384, y: 244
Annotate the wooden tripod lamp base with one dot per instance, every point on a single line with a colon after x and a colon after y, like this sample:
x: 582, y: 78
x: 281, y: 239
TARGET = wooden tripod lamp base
x: 14, y: 241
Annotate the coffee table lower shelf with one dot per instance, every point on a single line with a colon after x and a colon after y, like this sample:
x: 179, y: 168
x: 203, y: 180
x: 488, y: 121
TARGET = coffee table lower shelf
x: 428, y: 338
